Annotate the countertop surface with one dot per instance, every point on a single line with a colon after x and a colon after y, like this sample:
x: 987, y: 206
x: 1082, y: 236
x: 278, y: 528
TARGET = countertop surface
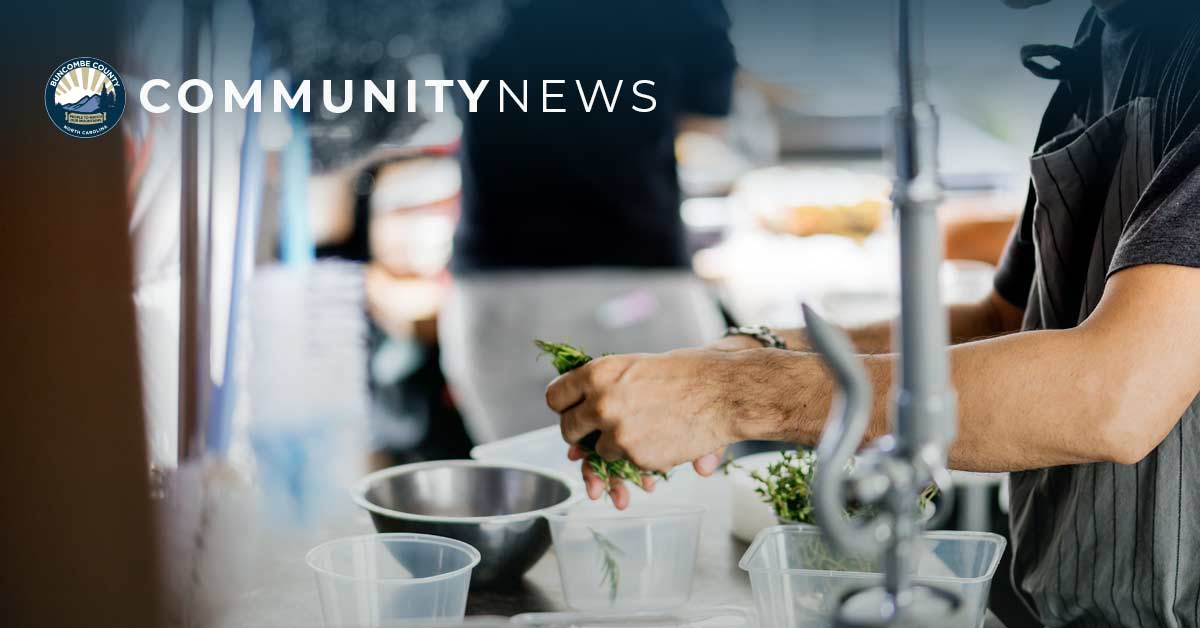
x: 277, y: 589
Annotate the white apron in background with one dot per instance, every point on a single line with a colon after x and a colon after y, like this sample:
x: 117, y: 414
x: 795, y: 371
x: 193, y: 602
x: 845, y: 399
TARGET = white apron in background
x: 489, y: 323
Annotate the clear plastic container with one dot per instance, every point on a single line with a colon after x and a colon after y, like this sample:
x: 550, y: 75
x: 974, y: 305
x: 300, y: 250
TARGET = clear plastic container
x: 387, y: 579
x: 797, y: 579
x: 639, y: 559
x: 707, y: 617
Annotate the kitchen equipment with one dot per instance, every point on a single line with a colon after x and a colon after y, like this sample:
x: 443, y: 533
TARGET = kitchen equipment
x: 496, y: 507
x: 714, y: 617
x: 799, y: 579
x: 642, y: 558
x: 925, y: 420
x: 381, y: 579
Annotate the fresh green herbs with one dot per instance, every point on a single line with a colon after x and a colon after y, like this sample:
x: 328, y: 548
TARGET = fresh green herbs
x: 610, y: 570
x: 566, y: 358
x: 787, y: 486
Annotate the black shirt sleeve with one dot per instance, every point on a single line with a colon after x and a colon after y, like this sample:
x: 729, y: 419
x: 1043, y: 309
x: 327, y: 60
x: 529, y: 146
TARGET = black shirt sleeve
x: 708, y: 59
x: 1164, y: 228
x: 1014, y: 276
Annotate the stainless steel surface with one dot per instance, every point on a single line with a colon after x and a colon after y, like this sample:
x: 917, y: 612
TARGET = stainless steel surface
x: 925, y: 419
x: 497, y: 508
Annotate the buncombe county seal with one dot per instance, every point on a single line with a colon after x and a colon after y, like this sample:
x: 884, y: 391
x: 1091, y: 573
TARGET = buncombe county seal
x: 85, y: 97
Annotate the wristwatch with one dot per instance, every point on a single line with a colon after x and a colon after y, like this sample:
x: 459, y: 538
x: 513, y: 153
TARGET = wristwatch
x: 761, y: 333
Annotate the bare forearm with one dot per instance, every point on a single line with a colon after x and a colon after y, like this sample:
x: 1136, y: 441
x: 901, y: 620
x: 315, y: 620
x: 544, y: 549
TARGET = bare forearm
x: 1026, y: 401
x: 990, y: 317
x: 871, y: 338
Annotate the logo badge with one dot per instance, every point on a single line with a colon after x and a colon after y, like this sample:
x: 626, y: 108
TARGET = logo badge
x: 85, y: 97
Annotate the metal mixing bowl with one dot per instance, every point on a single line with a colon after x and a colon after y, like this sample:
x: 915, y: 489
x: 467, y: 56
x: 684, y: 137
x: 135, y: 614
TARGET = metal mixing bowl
x: 496, y: 507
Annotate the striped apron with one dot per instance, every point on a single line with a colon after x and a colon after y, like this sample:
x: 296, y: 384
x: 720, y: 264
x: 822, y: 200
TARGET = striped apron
x: 1102, y: 544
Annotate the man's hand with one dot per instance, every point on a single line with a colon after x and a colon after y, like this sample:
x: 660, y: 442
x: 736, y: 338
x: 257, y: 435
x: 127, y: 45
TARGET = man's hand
x: 655, y: 410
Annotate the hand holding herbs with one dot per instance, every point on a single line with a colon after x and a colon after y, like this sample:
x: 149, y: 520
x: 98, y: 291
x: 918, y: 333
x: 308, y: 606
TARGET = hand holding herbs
x: 566, y: 358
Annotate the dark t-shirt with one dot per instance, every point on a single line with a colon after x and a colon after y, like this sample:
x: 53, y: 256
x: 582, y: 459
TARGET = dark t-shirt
x: 1142, y: 49
x: 551, y: 190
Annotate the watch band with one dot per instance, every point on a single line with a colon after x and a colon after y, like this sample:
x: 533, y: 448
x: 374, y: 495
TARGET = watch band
x: 761, y: 333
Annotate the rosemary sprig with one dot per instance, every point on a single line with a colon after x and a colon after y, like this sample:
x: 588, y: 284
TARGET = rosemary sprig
x: 566, y: 358
x: 610, y: 569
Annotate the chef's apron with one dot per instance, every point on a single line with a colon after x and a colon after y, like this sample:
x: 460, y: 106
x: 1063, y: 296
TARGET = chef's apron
x: 1085, y: 547
x: 490, y: 320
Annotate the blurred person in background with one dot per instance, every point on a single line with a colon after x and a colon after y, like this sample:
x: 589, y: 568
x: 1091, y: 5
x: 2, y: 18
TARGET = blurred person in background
x: 570, y: 226
x: 398, y: 221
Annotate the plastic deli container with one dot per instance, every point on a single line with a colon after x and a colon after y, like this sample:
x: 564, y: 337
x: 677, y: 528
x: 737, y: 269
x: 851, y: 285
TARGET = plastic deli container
x: 708, y: 617
x: 385, y: 579
x: 639, y: 559
x: 797, y: 579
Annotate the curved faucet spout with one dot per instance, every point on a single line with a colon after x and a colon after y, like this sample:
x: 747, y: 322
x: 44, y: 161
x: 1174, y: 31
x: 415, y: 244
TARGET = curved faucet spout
x: 848, y: 420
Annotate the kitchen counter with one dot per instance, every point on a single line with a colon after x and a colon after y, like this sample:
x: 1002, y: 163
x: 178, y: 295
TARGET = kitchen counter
x: 279, y: 589
x: 717, y: 579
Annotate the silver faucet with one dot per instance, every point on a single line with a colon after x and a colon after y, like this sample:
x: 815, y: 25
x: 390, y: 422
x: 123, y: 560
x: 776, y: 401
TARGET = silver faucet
x: 893, y: 472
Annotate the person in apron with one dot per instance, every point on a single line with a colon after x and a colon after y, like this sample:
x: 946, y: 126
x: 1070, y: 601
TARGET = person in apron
x: 570, y: 228
x: 1088, y: 395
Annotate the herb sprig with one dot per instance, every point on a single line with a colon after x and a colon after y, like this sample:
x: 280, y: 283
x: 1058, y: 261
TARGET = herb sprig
x: 787, y: 486
x: 610, y: 569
